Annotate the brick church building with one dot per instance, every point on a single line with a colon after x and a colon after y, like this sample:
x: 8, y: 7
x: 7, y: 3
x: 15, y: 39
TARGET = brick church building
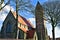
x: 26, y: 29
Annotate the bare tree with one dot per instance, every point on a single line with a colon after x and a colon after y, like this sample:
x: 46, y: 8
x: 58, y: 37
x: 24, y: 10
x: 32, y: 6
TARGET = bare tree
x: 22, y: 5
x: 52, y: 14
x: 1, y: 1
x: 1, y: 7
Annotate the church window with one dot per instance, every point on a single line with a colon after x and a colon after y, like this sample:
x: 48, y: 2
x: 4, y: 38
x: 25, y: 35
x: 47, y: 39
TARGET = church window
x: 9, y: 27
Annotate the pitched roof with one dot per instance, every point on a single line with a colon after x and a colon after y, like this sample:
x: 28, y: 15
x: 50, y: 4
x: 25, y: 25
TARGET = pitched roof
x: 23, y: 21
x: 30, y: 33
x: 29, y: 24
x: 38, y: 6
x: 20, y: 19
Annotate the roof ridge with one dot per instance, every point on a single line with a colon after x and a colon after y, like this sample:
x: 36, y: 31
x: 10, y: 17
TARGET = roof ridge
x: 22, y: 20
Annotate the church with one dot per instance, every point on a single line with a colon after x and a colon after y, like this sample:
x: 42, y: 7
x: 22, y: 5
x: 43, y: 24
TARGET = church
x: 26, y: 28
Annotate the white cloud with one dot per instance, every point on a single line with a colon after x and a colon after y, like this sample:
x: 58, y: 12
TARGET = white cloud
x: 49, y: 28
x: 7, y: 8
x: 57, y: 32
x: 2, y: 17
x: 33, y: 21
x: 4, y: 12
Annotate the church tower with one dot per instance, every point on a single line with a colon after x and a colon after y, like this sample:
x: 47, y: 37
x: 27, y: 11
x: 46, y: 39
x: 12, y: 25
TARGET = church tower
x: 40, y: 29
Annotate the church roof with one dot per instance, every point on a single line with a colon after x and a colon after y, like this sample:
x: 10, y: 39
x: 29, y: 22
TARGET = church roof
x: 23, y: 21
x: 20, y: 19
x: 38, y: 6
x: 23, y: 29
x: 29, y: 24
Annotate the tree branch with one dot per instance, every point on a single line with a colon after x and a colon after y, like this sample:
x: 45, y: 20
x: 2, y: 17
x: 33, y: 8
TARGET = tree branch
x: 5, y: 5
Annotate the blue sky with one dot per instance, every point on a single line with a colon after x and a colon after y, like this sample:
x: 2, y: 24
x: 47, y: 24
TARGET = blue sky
x: 30, y: 17
x: 34, y: 2
x: 41, y: 1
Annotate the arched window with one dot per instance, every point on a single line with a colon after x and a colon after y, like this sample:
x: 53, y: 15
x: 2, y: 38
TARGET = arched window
x: 9, y: 27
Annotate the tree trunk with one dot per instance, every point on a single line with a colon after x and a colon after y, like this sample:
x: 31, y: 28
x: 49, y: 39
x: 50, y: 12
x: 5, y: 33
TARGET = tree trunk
x: 53, y: 32
x: 53, y: 28
x: 17, y: 19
